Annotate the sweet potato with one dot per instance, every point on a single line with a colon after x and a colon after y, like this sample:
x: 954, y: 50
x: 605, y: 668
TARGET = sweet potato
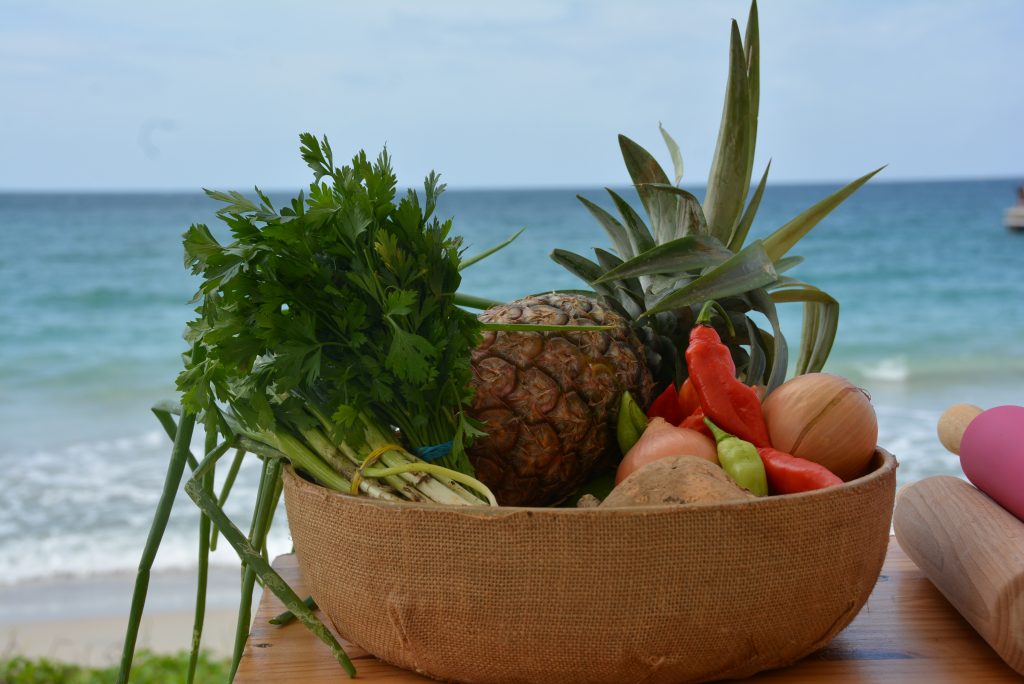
x: 676, y: 480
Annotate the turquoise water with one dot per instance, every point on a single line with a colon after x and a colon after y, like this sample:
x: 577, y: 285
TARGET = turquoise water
x: 95, y: 299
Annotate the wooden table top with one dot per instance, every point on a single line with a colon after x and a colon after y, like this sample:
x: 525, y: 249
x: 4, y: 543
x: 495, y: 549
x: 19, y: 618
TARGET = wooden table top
x: 907, y: 632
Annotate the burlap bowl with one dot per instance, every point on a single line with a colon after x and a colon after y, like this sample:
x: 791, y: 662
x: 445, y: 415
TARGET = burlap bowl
x: 658, y: 594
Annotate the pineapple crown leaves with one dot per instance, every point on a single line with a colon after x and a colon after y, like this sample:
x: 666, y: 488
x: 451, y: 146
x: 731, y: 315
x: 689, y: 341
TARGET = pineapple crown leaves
x: 694, y: 251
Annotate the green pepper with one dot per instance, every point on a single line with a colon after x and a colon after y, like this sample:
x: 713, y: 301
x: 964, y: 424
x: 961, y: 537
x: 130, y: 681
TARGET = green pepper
x: 631, y: 424
x: 740, y: 460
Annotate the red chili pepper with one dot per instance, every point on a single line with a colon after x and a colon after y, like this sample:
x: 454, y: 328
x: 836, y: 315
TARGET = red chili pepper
x: 695, y: 421
x: 667, y: 406
x: 688, y: 399
x: 730, y: 404
x: 789, y: 474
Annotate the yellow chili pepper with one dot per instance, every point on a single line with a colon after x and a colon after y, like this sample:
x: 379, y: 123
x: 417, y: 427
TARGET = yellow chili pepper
x: 740, y: 460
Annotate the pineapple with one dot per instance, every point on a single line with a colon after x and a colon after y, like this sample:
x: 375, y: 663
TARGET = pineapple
x: 549, y: 399
x: 655, y: 280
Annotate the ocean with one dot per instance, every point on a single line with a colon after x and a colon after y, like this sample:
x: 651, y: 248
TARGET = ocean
x: 96, y: 298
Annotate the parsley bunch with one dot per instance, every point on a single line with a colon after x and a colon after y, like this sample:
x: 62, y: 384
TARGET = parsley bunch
x: 336, y: 313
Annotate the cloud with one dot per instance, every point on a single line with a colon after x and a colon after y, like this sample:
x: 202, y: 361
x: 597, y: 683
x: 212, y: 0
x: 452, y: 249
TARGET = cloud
x: 527, y: 93
x: 148, y: 134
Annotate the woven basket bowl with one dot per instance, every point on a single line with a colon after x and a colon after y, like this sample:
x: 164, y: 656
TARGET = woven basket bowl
x: 655, y: 594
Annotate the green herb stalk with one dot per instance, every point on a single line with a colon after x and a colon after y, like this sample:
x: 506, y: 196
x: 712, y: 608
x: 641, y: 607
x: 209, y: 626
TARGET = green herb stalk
x: 325, y: 324
x: 327, y: 332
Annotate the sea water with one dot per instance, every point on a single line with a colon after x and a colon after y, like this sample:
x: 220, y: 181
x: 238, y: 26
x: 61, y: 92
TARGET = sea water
x: 95, y: 297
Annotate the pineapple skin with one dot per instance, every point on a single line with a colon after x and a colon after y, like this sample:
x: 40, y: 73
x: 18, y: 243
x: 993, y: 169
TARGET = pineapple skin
x: 549, y: 400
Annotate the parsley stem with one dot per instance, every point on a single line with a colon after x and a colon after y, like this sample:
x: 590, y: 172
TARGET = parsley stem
x: 334, y: 454
x: 301, y: 457
x: 434, y: 469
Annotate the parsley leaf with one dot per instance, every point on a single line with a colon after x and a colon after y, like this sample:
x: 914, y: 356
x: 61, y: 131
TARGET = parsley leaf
x: 340, y: 305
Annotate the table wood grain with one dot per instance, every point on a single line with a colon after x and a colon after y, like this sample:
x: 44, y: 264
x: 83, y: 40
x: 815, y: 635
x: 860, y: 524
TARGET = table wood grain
x: 907, y: 632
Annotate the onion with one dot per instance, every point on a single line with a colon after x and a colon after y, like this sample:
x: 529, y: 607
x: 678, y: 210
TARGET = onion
x: 662, y: 439
x: 826, y: 419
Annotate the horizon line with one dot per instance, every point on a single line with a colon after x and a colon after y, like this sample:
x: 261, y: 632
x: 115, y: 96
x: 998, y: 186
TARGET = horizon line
x: 502, y: 188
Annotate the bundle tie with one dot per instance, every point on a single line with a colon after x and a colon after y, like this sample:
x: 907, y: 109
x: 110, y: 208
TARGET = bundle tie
x: 370, y: 459
x: 434, y: 452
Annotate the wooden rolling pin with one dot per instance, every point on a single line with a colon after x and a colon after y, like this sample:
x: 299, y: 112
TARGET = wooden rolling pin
x: 970, y: 547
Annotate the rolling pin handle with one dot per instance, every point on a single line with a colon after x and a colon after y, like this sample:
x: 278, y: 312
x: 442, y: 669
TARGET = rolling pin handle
x: 954, y: 422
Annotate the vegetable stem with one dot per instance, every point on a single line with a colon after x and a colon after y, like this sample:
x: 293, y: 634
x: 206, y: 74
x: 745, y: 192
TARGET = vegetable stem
x: 257, y: 539
x: 175, y: 470
x: 474, y: 302
x: 262, y: 568
x: 434, y: 469
x: 204, y: 562
x: 229, y: 482
x: 287, y: 616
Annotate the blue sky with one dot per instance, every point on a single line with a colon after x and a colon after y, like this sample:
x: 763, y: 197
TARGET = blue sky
x: 178, y: 95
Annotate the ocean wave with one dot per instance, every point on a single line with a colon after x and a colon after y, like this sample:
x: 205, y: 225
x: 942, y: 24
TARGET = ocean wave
x: 893, y: 369
x: 83, y: 555
x: 910, y: 434
x: 976, y: 368
x: 86, y: 508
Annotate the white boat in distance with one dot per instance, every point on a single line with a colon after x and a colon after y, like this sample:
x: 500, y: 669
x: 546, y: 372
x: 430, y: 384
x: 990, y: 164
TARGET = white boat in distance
x: 1013, y: 218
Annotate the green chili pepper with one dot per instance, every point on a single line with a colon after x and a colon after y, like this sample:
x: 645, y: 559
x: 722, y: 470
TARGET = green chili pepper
x: 740, y: 460
x: 632, y: 423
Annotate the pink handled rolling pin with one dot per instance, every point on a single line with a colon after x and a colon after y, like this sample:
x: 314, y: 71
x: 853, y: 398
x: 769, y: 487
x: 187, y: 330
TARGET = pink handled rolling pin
x: 969, y: 541
x: 991, y: 448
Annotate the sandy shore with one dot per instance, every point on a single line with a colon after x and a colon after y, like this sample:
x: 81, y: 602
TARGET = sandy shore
x: 83, y: 620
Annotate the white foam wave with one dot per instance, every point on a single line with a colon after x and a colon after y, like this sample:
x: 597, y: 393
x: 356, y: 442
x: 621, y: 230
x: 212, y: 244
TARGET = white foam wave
x: 893, y: 369
x: 86, y: 508
x: 83, y: 555
x: 120, y: 444
x: 909, y: 434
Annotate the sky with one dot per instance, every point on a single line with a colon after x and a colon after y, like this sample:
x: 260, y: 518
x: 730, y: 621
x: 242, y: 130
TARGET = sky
x: 182, y: 95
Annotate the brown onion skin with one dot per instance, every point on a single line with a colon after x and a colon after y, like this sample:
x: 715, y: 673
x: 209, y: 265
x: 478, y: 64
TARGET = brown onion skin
x: 826, y: 419
x: 662, y: 439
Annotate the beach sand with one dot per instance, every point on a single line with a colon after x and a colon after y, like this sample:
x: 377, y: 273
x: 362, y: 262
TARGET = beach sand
x: 83, y: 620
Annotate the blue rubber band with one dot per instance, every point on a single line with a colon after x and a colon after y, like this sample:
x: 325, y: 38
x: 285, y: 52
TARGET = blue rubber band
x: 434, y: 452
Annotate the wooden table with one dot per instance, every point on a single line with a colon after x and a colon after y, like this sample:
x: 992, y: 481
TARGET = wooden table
x: 907, y: 632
